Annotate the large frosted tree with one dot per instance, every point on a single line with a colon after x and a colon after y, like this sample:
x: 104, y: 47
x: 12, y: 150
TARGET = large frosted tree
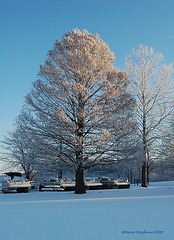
x: 80, y: 101
x: 152, y: 85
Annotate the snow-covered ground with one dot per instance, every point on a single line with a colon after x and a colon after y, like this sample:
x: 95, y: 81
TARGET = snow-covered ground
x: 118, y: 214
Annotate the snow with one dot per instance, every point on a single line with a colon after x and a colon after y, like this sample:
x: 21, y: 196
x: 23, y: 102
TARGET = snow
x: 117, y: 214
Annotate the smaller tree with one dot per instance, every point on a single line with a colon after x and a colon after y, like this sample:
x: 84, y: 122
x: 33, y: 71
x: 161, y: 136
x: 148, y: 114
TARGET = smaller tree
x: 20, y: 153
x: 152, y: 86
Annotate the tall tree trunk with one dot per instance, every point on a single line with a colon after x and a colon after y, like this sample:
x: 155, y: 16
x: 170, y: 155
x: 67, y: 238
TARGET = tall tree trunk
x: 144, y: 166
x: 80, y: 186
x: 148, y: 173
x: 144, y: 182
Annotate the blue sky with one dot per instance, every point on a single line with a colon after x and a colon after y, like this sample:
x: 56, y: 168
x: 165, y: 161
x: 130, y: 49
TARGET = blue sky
x: 29, y: 28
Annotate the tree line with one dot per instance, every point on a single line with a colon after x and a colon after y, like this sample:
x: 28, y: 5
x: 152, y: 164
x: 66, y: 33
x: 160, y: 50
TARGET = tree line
x: 83, y: 112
